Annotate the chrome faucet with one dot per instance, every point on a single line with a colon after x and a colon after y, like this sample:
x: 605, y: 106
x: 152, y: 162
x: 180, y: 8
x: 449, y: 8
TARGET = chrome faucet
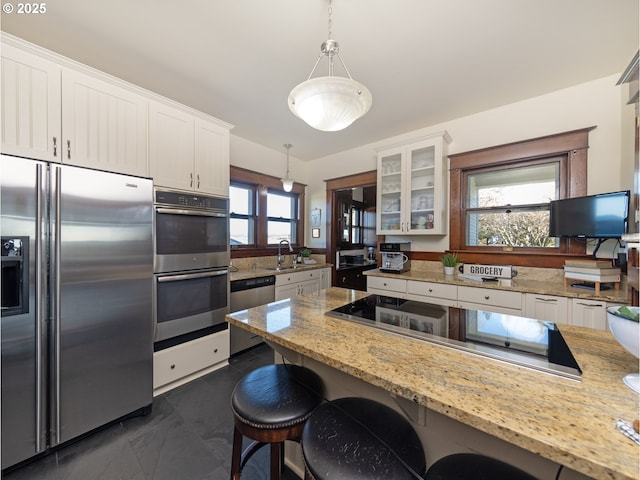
x: 280, y: 256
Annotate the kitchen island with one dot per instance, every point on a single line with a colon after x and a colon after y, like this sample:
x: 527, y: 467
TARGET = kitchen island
x: 566, y: 422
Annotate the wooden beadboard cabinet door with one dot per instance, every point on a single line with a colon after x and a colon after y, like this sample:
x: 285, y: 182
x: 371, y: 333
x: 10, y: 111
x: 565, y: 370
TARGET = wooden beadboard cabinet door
x: 104, y: 126
x: 30, y: 104
x: 171, y: 147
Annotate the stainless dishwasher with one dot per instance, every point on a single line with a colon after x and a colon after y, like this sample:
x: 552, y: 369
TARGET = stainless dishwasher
x: 249, y: 293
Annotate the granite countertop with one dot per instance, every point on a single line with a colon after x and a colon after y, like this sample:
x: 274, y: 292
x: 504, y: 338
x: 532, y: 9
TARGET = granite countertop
x: 264, y: 272
x: 566, y: 421
x: 541, y: 287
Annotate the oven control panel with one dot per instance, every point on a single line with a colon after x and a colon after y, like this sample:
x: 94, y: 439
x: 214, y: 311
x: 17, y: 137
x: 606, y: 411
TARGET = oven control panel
x: 181, y: 199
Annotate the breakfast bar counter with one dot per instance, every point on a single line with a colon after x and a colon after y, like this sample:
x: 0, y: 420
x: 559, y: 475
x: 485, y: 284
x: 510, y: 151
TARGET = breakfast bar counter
x: 568, y: 422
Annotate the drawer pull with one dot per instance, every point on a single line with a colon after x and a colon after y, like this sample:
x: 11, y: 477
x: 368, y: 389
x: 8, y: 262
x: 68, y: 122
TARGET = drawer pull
x: 173, y: 366
x: 431, y: 290
x: 547, y: 299
x: 385, y: 284
x: 215, y: 350
x: 590, y: 304
x: 486, y: 297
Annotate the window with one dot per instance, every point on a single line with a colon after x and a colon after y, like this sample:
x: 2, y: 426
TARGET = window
x: 500, y: 198
x: 242, y: 218
x: 510, y: 207
x: 281, y: 217
x: 262, y: 213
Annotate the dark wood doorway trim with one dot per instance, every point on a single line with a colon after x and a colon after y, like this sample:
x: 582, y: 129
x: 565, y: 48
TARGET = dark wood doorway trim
x: 364, y: 179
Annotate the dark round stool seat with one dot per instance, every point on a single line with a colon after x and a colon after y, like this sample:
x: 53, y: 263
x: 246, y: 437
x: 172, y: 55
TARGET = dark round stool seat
x: 471, y: 466
x: 358, y: 438
x: 276, y: 396
x: 270, y: 405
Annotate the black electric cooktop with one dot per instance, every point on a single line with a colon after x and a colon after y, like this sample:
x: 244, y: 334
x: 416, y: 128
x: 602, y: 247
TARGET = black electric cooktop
x: 518, y: 340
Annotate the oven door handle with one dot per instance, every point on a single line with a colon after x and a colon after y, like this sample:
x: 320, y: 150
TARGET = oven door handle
x: 189, y: 276
x: 199, y: 213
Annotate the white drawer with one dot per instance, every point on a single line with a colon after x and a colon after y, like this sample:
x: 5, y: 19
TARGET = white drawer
x: 387, y: 284
x: 429, y: 289
x: 488, y: 296
x: 177, y: 362
x: 296, y: 277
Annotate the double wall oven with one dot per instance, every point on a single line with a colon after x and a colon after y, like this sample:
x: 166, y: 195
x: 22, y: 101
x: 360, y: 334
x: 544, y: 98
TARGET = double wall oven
x: 191, y: 266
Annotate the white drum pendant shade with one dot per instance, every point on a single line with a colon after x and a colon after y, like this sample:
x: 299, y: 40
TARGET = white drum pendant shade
x: 330, y: 103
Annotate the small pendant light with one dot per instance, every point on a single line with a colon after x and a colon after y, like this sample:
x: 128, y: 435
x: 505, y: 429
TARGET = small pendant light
x: 287, y: 182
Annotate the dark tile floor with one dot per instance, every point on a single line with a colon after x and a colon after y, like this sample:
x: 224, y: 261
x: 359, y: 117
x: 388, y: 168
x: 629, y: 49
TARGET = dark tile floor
x: 187, y: 436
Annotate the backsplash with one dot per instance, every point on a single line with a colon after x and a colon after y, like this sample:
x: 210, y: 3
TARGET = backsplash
x: 528, y: 273
x: 268, y: 261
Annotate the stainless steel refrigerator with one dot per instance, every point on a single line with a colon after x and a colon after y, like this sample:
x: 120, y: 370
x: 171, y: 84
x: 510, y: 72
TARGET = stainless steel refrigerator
x: 76, y: 324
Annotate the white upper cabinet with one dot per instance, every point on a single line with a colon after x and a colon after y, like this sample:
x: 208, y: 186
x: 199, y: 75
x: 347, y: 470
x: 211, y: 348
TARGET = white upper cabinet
x: 104, y: 126
x: 55, y: 109
x: 412, y: 187
x: 212, y: 158
x: 171, y: 147
x: 187, y: 152
x: 30, y: 105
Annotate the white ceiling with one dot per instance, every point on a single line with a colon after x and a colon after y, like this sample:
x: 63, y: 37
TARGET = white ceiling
x: 424, y: 61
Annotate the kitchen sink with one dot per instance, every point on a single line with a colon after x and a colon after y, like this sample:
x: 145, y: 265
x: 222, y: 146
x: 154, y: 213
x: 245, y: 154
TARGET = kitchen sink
x: 282, y: 269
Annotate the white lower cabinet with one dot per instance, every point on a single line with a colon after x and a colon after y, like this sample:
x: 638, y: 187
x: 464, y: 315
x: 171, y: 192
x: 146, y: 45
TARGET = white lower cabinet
x: 325, y: 278
x: 392, y: 287
x: 500, y: 301
x: 589, y: 313
x: 298, y: 283
x: 549, y: 308
x: 437, y: 293
x: 177, y: 365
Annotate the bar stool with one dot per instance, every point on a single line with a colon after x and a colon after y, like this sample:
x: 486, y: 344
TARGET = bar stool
x: 270, y: 405
x: 471, y: 466
x: 357, y: 438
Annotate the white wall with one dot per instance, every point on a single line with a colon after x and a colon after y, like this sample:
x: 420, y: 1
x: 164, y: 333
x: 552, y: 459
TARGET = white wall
x: 253, y: 156
x: 598, y: 103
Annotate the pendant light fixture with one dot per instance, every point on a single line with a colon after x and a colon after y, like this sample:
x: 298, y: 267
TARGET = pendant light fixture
x: 330, y: 103
x: 287, y: 182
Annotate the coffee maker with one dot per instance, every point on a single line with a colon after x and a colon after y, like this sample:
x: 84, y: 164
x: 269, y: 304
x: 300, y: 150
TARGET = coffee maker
x: 394, y: 258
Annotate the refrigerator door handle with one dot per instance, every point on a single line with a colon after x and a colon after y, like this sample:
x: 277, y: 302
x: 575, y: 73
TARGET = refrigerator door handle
x: 58, y: 308
x: 39, y: 306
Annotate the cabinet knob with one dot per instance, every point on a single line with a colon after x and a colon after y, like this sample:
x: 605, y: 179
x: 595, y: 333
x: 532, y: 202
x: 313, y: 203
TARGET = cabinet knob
x: 486, y: 297
x: 173, y: 366
x: 385, y: 284
x: 431, y: 290
x: 215, y: 350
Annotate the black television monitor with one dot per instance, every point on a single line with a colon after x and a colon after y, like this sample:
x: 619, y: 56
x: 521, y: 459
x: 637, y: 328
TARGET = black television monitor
x: 604, y: 215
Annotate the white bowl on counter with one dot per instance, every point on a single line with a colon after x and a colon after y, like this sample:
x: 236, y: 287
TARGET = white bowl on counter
x: 627, y: 333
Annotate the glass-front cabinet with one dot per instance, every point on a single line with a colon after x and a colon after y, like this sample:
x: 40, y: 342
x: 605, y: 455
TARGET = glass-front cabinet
x: 412, y: 181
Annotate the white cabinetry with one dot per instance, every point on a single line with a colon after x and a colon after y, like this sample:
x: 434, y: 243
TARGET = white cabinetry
x: 412, y: 187
x: 30, y: 104
x: 547, y: 307
x: 500, y: 301
x: 177, y: 365
x: 325, y: 278
x: 437, y: 293
x: 297, y: 283
x: 392, y: 287
x: 186, y: 152
x: 103, y: 126
x: 589, y: 313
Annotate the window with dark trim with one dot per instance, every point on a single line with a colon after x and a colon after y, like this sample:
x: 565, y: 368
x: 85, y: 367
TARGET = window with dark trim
x: 488, y: 219
x: 262, y: 213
